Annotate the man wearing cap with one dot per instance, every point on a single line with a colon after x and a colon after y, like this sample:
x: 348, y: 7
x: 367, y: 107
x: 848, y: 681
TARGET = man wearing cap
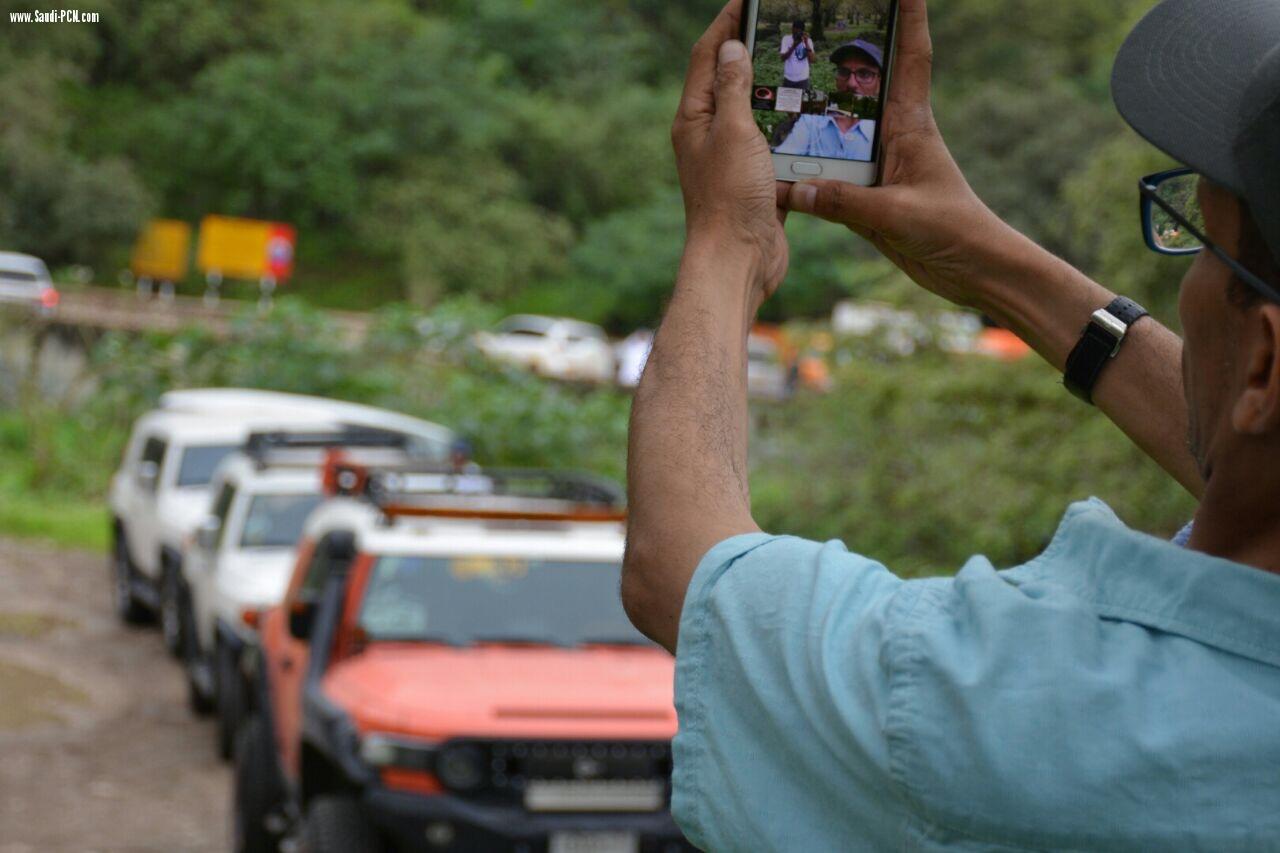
x: 1117, y: 692
x: 838, y: 134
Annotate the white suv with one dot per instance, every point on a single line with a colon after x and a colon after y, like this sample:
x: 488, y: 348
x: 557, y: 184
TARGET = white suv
x: 239, y: 560
x: 161, y: 490
x: 557, y: 347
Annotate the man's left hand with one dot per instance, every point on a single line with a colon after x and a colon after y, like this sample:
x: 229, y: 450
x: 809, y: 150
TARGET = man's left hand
x: 726, y: 170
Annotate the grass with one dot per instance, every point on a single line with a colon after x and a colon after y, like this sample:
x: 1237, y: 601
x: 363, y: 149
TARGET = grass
x: 65, y: 522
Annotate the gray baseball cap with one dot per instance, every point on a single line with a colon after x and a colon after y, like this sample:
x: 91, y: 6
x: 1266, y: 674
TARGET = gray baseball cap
x: 1200, y: 80
x: 849, y: 48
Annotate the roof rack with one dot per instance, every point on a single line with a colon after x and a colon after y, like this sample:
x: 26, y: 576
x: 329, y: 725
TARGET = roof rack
x: 414, y: 489
x: 313, y: 449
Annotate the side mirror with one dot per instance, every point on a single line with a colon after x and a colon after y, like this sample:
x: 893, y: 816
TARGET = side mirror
x: 207, y: 533
x: 302, y: 614
x: 148, y: 475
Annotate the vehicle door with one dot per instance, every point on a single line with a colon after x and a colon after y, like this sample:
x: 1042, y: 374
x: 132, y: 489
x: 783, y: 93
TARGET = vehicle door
x: 589, y: 357
x: 143, y: 524
x: 523, y: 343
x: 203, y: 566
x: 18, y: 286
x: 287, y: 667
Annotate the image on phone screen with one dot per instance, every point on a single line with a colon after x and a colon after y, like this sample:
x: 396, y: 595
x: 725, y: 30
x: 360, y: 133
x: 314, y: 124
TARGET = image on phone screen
x: 817, y: 90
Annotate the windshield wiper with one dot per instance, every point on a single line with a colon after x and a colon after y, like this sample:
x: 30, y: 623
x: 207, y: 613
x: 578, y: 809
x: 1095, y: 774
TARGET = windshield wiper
x: 428, y: 640
x: 615, y: 641
x: 519, y: 640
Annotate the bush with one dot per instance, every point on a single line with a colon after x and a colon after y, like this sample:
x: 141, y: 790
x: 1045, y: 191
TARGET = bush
x: 921, y: 463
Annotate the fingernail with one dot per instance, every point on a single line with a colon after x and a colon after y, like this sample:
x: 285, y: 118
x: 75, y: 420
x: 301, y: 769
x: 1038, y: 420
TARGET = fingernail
x: 803, y: 197
x: 732, y: 51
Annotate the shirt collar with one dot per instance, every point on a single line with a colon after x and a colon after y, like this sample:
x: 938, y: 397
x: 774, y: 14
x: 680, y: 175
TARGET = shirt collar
x: 860, y: 128
x: 1137, y: 578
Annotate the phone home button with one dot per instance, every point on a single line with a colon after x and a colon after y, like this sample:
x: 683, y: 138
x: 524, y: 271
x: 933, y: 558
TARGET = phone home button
x: 806, y: 168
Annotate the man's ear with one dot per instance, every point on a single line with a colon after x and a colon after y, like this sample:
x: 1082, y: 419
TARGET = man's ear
x: 1257, y: 409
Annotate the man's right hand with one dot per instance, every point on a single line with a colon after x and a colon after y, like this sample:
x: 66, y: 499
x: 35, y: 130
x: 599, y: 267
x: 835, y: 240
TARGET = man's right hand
x: 924, y: 217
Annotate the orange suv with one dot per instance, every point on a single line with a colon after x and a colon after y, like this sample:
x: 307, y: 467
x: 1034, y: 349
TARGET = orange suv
x: 451, y: 669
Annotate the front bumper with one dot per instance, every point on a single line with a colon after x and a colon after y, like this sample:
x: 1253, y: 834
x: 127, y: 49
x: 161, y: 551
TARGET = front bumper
x: 406, y: 818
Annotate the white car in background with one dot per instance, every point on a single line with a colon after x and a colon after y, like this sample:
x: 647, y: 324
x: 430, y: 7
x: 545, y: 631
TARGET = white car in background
x: 161, y: 490
x: 556, y: 347
x: 425, y: 440
x: 24, y: 280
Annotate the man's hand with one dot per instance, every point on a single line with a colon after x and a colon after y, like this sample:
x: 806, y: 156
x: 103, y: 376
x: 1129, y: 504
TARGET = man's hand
x: 926, y: 219
x: 923, y: 217
x: 726, y: 170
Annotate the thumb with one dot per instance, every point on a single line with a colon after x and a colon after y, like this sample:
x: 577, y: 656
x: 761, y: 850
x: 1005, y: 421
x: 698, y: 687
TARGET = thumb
x: 838, y: 201
x: 733, y: 82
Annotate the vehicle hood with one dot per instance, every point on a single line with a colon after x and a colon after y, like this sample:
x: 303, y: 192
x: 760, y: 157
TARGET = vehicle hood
x: 255, y: 578
x: 182, y: 510
x: 436, y: 692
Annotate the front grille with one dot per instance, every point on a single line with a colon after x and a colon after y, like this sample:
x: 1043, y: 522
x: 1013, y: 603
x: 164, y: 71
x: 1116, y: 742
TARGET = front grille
x: 513, y: 764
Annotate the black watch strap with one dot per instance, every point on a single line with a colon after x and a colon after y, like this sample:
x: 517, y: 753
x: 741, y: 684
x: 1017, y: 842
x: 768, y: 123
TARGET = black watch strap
x: 1098, y: 344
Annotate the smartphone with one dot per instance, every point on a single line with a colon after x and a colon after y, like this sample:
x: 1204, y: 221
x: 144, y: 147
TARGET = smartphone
x: 820, y: 110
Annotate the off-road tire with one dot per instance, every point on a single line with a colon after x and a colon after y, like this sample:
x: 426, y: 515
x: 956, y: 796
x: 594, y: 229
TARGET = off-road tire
x: 337, y: 824
x: 171, y: 608
x: 200, y: 703
x: 128, y: 609
x: 259, y: 791
x: 230, y: 701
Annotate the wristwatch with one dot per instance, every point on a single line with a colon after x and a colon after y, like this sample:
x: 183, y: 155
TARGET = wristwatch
x: 1098, y: 344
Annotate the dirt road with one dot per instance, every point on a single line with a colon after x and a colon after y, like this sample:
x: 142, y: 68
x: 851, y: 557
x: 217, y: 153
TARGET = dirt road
x: 98, y: 751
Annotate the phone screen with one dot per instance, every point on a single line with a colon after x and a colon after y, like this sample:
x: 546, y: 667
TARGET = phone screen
x: 817, y: 90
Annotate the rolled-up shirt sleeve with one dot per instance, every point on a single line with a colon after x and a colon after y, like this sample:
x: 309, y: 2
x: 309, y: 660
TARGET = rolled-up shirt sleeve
x: 784, y: 676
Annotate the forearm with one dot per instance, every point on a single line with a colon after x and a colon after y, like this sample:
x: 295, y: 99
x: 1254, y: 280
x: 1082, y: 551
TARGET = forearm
x: 1047, y: 302
x: 687, y: 459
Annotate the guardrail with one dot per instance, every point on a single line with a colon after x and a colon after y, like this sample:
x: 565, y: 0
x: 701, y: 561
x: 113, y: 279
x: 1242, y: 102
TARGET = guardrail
x: 107, y: 309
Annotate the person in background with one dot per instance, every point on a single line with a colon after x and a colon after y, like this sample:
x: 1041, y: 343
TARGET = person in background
x: 1118, y: 691
x: 839, y: 134
x: 797, y: 51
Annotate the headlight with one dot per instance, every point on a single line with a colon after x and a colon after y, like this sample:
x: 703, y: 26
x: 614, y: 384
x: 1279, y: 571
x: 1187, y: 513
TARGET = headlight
x: 378, y: 750
x: 460, y: 767
x: 383, y: 750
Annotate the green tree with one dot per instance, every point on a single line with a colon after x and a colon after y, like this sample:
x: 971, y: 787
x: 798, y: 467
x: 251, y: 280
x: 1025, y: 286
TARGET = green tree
x: 463, y: 225
x: 53, y: 202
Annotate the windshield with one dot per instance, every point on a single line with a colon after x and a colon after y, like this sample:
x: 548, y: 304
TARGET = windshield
x: 464, y: 600
x: 200, y: 461
x: 276, y: 521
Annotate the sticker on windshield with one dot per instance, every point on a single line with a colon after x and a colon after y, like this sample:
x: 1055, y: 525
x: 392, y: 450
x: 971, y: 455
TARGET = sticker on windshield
x: 488, y: 568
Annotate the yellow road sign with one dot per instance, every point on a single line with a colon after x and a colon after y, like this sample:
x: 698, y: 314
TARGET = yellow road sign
x: 245, y: 248
x: 163, y: 251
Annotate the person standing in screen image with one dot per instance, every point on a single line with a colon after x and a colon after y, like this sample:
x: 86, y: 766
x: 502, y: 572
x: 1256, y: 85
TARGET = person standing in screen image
x: 859, y: 68
x: 797, y: 51
x: 1117, y: 692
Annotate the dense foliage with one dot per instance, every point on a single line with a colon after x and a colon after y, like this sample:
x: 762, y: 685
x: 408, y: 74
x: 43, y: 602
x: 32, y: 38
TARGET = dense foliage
x: 514, y: 150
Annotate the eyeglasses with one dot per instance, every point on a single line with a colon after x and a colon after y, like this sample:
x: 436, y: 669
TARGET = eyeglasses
x: 1173, y: 224
x: 862, y: 75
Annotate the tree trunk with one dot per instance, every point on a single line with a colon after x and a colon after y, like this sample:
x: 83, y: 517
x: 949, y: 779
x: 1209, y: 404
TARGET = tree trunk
x: 816, y: 26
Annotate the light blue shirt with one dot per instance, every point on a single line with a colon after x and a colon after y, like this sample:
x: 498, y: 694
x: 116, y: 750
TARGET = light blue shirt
x: 1117, y: 692
x: 818, y: 136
